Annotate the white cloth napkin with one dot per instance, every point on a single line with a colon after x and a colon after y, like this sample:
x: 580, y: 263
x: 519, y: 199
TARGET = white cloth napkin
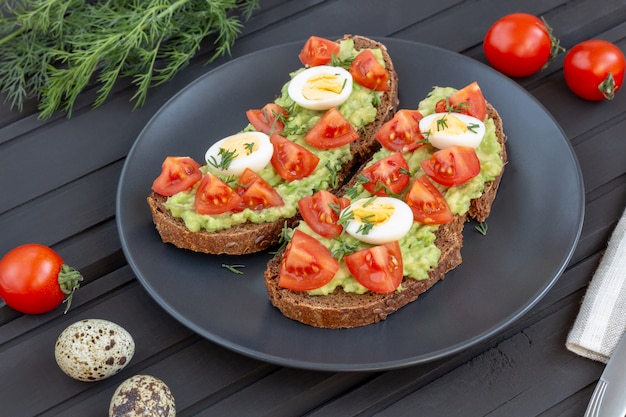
x: 602, y: 317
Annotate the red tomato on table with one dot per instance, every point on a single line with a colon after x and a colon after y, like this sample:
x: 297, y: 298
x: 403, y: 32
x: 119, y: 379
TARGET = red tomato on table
x: 520, y: 44
x: 34, y: 279
x: 594, y: 69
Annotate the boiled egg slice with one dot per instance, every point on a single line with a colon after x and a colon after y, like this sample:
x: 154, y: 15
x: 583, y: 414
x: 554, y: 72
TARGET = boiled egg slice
x: 321, y: 87
x: 233, y: 154
x: 450, y: 129
x: 377, y: 220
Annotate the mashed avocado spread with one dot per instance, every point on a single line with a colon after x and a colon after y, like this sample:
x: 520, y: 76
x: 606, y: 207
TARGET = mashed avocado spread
x: 419, y: 252
x: 359, y: 109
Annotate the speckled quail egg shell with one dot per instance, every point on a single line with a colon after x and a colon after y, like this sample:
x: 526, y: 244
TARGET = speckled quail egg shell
x: 142, y: 395
x: 93, y: 349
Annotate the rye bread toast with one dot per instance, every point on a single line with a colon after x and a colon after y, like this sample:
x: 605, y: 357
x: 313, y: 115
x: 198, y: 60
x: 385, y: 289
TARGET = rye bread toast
x: 255, y: 237
x: 342, y: 309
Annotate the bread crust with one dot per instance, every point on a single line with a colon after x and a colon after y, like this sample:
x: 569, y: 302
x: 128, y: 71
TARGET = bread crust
x: 255, y: 237
x: 346, y: 310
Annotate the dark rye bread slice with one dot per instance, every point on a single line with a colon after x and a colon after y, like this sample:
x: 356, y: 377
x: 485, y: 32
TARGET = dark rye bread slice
x: 345, y: 310
x: 253, y: 237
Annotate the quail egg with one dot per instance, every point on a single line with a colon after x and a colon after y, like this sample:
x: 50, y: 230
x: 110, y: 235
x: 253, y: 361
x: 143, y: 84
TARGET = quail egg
x: 321, y: 87
x: 93, y: 349
x: 233, y: 154
x: 142, y: 396
x: 449, y: 129
x: 378, y: 220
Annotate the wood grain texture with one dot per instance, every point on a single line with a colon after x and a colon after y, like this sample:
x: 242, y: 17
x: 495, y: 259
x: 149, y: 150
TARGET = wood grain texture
x: 59, y: 178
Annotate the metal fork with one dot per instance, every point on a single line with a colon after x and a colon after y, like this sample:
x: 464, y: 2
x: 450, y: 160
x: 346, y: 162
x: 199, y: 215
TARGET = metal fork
x: 609, y: 397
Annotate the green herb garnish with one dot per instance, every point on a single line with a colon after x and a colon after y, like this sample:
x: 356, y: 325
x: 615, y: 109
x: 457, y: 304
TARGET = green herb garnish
x: 249, y: 147
x: 52, y: 50
x: 344, y: 249
x: 472, y: 127
x: 442, y: 123
x: 482, y: 228
x: 283, y: 239
x: 366, y: 225
x: 234, y: 268
x: 334, y: 172
x: 226, y: 158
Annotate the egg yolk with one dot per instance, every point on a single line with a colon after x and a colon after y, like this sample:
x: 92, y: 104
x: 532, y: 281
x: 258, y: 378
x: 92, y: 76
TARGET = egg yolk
x: 449, y: 124
x: 376, y: 212
x: 242, y: 144
x: 321, y: 87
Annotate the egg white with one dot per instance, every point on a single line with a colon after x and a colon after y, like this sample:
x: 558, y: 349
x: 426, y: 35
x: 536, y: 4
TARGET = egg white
x: 398, y: 223
x: 256, y: 160
x: 441, y: 137
x: 297, y: 84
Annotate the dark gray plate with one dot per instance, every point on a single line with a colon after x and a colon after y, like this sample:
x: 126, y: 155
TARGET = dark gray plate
x: 503, y: 274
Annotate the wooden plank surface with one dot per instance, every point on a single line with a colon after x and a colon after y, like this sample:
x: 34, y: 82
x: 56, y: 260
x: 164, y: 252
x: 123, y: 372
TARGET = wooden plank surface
x: 60, y: 178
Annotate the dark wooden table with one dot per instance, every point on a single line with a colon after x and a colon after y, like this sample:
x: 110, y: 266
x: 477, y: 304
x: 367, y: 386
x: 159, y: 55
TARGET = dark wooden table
x: 59, y: 177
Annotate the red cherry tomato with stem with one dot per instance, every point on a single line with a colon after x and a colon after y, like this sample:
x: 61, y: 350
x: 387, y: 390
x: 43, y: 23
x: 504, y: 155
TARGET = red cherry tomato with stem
x: 520, y: 44
x: 594, y: 69
x: 34, y: 279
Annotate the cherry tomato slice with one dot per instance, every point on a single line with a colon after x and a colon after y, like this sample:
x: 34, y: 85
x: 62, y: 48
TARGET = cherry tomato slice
x: 256, y: 193
x: 215, y: 197
x: 291, y: 160
x: 318, y: 51
x: 368, y: 72
x: 379, y: 268
x: 331, y: 131
x: 269, y: 119
x: 452, y: 166
x: 468, y: 100
x: 321, y: 212
x: 402, y: 133
x: 389, y: 175
x: 429, y: 206
x: 306, y: 264
x: 178, y: 173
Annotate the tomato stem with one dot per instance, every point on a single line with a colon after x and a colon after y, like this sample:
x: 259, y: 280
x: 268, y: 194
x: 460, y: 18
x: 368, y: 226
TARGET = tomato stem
x: 556, y: 44
x: 607, y: 87
x: 69, y: 281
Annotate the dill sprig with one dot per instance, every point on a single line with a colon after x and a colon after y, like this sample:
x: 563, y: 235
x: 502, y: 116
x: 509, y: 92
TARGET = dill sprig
x: 235, y: 269
x: 52, y: 50
x: 482, y: 228
x: 226, y: 157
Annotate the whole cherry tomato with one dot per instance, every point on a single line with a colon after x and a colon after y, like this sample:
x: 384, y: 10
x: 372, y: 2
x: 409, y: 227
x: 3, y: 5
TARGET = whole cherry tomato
x: 594, y: 69
x: 34, y: 279
x: 520, y: 44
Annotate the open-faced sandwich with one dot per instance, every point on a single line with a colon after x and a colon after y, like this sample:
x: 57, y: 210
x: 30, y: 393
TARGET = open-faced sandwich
x: 310, y: 138
x: 396, y: 228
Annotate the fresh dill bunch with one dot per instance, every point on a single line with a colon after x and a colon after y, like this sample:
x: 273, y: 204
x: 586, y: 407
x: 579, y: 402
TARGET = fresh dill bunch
x: 52, y: 50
